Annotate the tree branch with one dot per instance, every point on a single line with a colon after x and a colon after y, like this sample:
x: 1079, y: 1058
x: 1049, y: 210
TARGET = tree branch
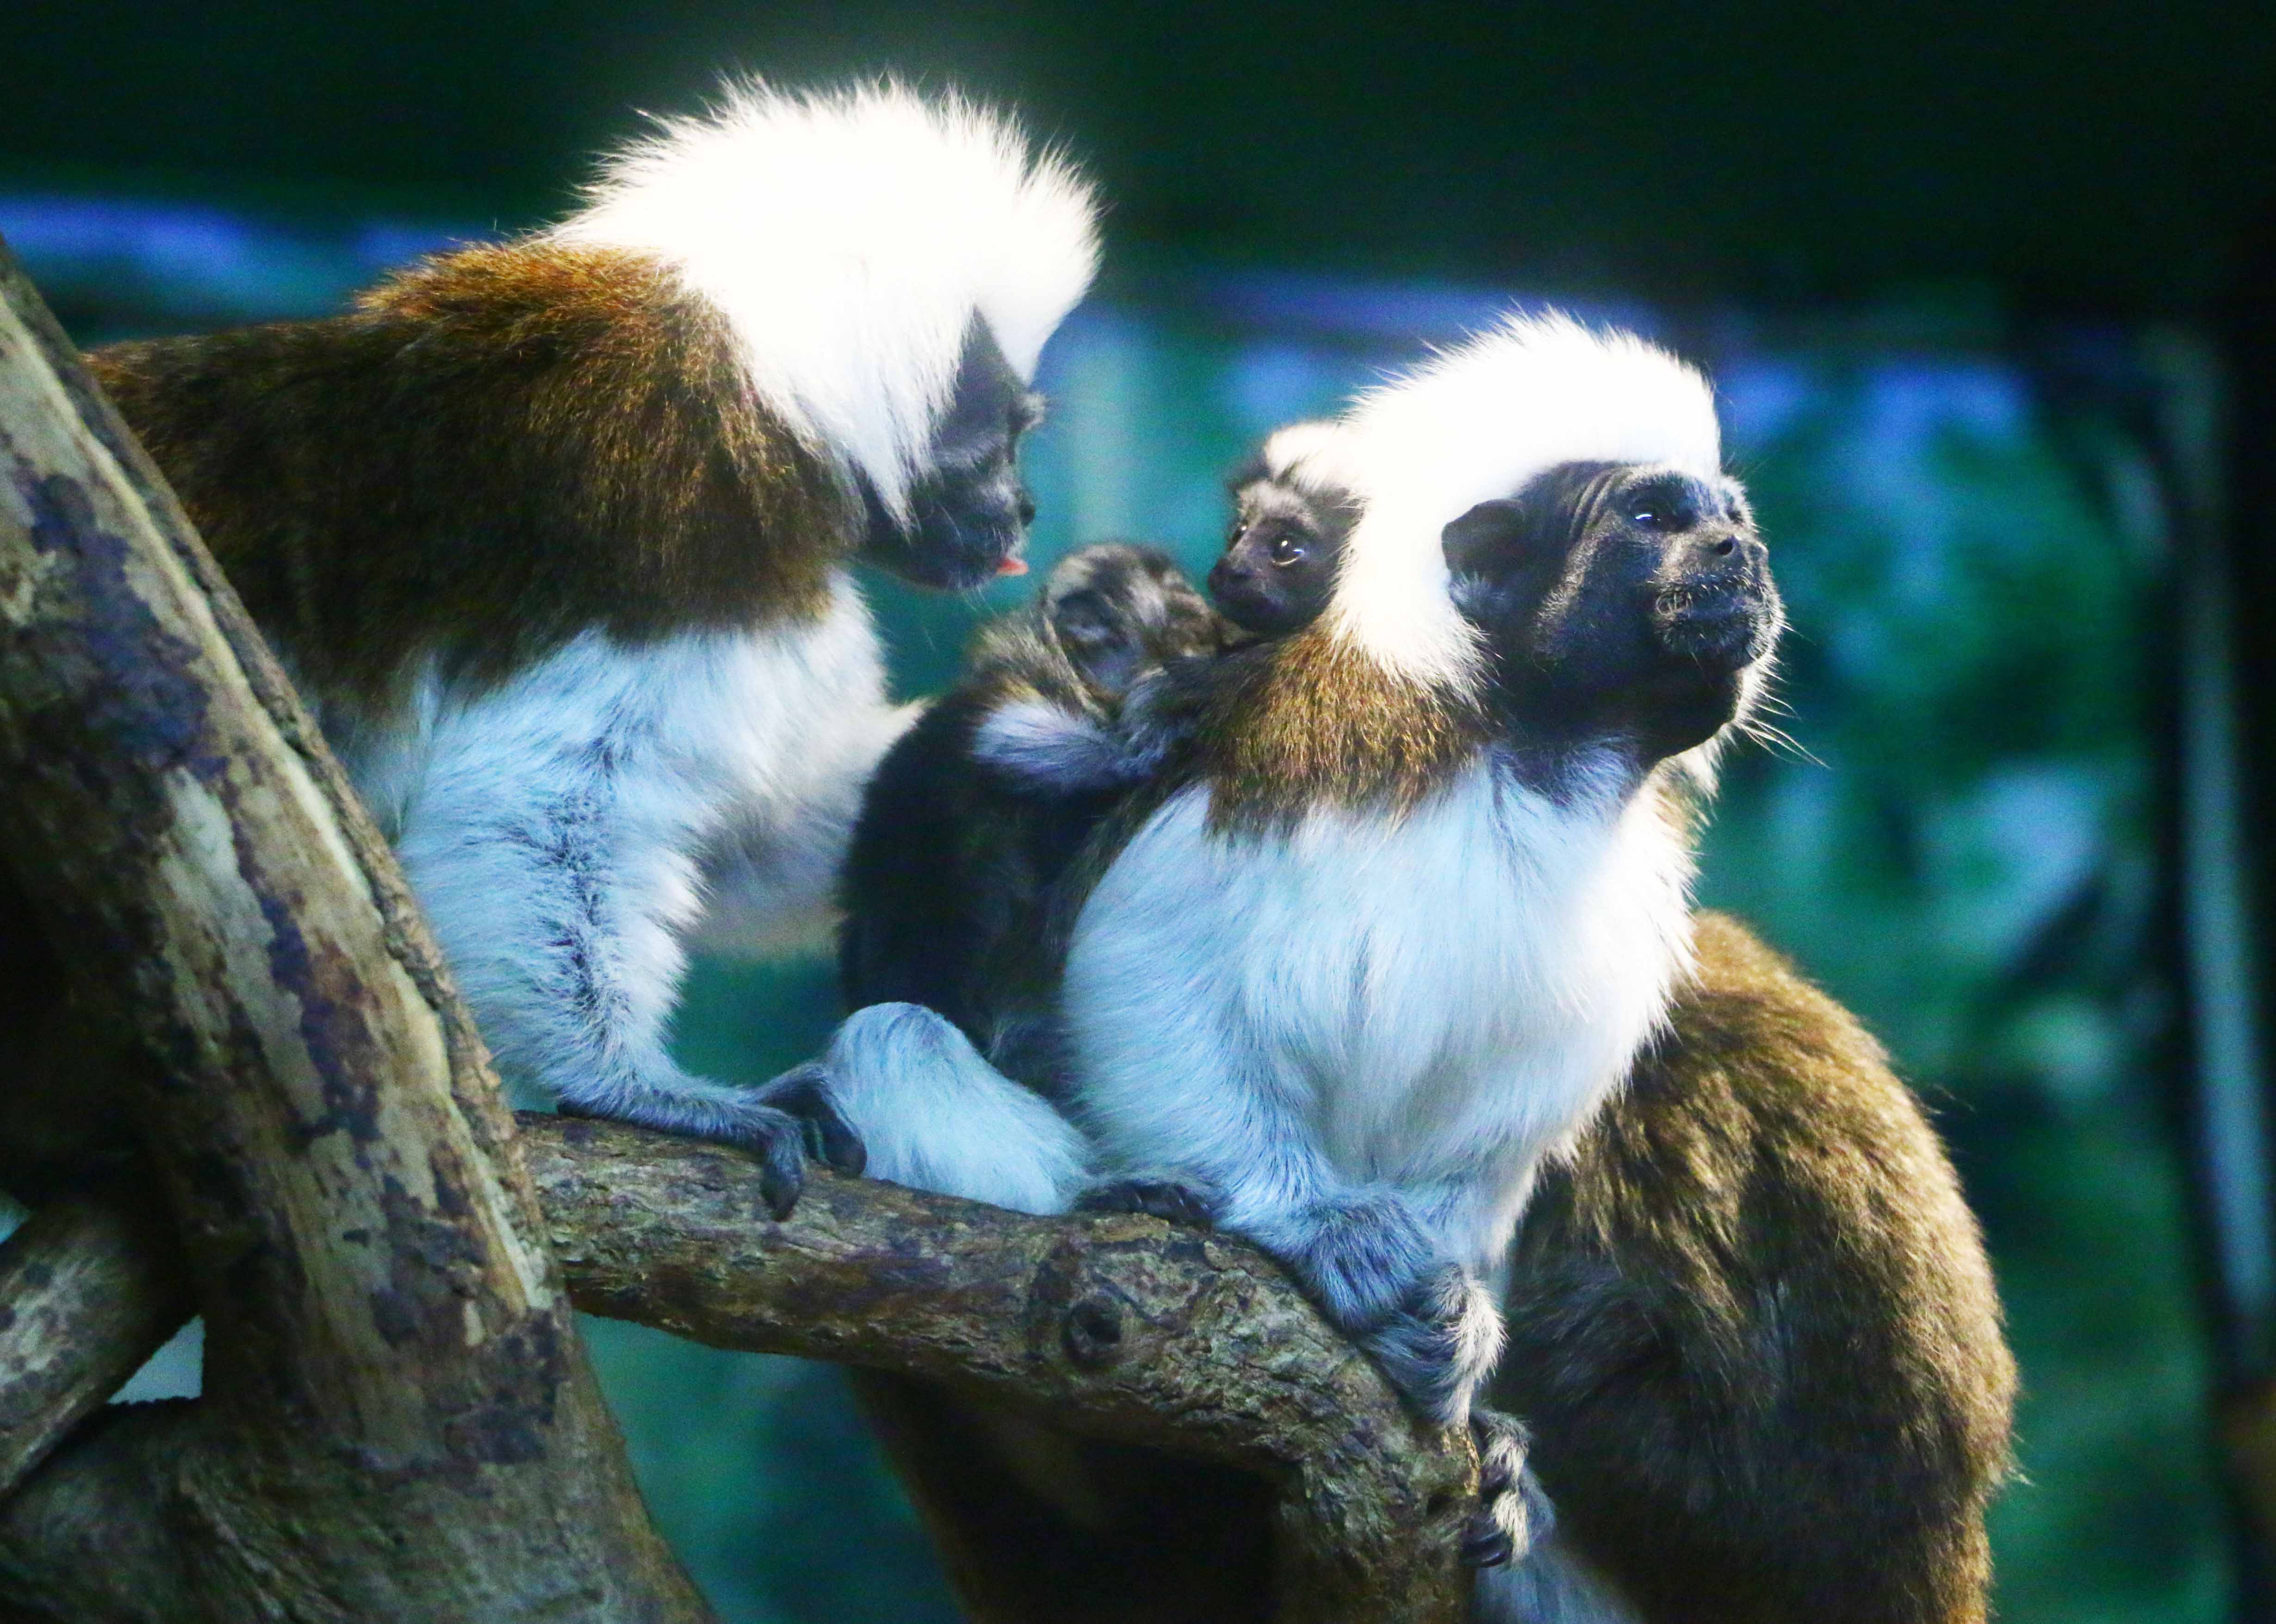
x: 1121, y: 1329
x: 1114, y: 1328
x: 90, y: 1287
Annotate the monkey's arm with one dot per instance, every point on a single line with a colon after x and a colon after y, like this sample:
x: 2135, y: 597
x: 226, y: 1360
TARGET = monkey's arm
x: 498, y: 448
x: 1222, y: 1116
x: 1044, y: 744
x: 553, y: 845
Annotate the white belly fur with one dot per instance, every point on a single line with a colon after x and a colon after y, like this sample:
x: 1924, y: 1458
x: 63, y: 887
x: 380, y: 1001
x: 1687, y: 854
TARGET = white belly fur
x: 572, y: 830
x: 1435, y: 1003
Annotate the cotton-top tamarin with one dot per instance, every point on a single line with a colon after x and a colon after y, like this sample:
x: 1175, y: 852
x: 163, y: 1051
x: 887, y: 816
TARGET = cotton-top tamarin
x: 556, y: 535
x: 1751, y: 1331
x: 1392, y: 923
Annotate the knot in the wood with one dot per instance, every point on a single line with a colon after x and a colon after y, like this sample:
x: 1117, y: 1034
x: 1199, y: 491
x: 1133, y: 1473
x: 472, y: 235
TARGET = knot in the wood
x: 1093, y: 1332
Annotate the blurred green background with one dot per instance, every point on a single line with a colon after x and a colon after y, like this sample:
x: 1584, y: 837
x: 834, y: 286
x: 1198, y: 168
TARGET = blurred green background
x: 1961, y: 275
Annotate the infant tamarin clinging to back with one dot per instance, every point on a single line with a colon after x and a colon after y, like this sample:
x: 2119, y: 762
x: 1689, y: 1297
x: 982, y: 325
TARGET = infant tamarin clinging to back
x: 961, y: 847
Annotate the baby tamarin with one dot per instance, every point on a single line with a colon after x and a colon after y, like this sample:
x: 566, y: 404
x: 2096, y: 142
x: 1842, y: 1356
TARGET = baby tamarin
x: 960, y: 844
x: 1289, y: 521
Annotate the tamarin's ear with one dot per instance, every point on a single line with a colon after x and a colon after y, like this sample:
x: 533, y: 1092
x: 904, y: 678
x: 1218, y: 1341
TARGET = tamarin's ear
x: 851, y: 239
x: 1470, y: 540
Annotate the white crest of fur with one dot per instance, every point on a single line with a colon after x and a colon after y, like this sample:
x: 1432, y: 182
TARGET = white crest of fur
x: 1304, y: 454
x: 1476, y: 423
x: 849, y: 237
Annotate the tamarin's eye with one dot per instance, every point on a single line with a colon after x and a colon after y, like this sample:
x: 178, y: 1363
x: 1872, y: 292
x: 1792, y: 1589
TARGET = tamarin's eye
x: 1240, y: 529
x: 1656, y: 519
x: 1287, y: 549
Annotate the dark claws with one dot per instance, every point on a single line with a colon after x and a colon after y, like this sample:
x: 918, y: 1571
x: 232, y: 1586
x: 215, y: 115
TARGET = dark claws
x: 779, y: 1140
x: 1485, y: 1543
x: 804, y: 1093
x: 1161, y: 1198
x: 1512, y: 1512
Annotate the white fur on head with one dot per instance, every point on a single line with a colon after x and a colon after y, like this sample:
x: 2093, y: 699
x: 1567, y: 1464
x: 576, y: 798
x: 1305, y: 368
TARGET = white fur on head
x: 849, y: 237
x: 1476, y: 423
x: 1303, y: 452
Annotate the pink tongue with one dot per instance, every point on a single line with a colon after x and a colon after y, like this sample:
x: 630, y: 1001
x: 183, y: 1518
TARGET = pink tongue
x: 1013, y: 566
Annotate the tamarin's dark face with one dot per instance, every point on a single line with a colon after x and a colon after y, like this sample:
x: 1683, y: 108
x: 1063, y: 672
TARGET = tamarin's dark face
x: 1619, y: 603
x: 1279, y: 562
x: 969, y: 511
x: 1118, y: 612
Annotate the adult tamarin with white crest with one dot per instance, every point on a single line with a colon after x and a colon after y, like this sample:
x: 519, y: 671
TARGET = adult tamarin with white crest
x: 1751, y: 1331
x: 1378, y: 940
x: 555, y: 537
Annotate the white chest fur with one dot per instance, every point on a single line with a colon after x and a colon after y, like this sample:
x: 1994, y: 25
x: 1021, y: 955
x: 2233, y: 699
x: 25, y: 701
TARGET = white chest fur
x: 1433, y: 1004
x: 739, y: 755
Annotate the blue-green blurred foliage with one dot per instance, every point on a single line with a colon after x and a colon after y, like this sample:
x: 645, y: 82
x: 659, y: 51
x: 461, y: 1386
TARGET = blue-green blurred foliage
x: 1959, y: 842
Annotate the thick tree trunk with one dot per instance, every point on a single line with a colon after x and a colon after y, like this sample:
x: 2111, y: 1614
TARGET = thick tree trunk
x: 398, y: 1419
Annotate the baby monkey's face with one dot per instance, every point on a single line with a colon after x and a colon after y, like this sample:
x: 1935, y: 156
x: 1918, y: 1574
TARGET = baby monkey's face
x: 1279, y: 562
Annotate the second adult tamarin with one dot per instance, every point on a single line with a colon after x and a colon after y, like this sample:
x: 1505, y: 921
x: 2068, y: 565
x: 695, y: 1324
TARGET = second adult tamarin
x: 555, y: 536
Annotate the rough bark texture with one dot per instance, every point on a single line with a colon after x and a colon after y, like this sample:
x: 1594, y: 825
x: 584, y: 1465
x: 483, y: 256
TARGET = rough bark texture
x: 398, y: 1419
x: 89, y: 1288
x: 1278, y: 1476
x: 1119, y: 1330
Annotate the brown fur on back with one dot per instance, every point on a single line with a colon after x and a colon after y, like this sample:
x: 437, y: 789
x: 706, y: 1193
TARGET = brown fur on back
x: 493, y: 452
x: 1310, y: 721
x: 1753, y: 1328
x: 1275, y: 730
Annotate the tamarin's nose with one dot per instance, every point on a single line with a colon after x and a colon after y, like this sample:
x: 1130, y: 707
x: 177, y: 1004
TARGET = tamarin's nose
x: 1736, y: 546
x: 1027, y: 509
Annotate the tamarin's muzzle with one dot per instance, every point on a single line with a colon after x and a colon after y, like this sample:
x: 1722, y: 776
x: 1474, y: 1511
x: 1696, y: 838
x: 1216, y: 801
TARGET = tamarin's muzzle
x: 1721, y: 610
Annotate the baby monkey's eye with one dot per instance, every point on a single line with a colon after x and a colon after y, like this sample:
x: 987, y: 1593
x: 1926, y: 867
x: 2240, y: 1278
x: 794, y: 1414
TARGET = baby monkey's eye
x: 1287, y: 549
x: 1240, y: 529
